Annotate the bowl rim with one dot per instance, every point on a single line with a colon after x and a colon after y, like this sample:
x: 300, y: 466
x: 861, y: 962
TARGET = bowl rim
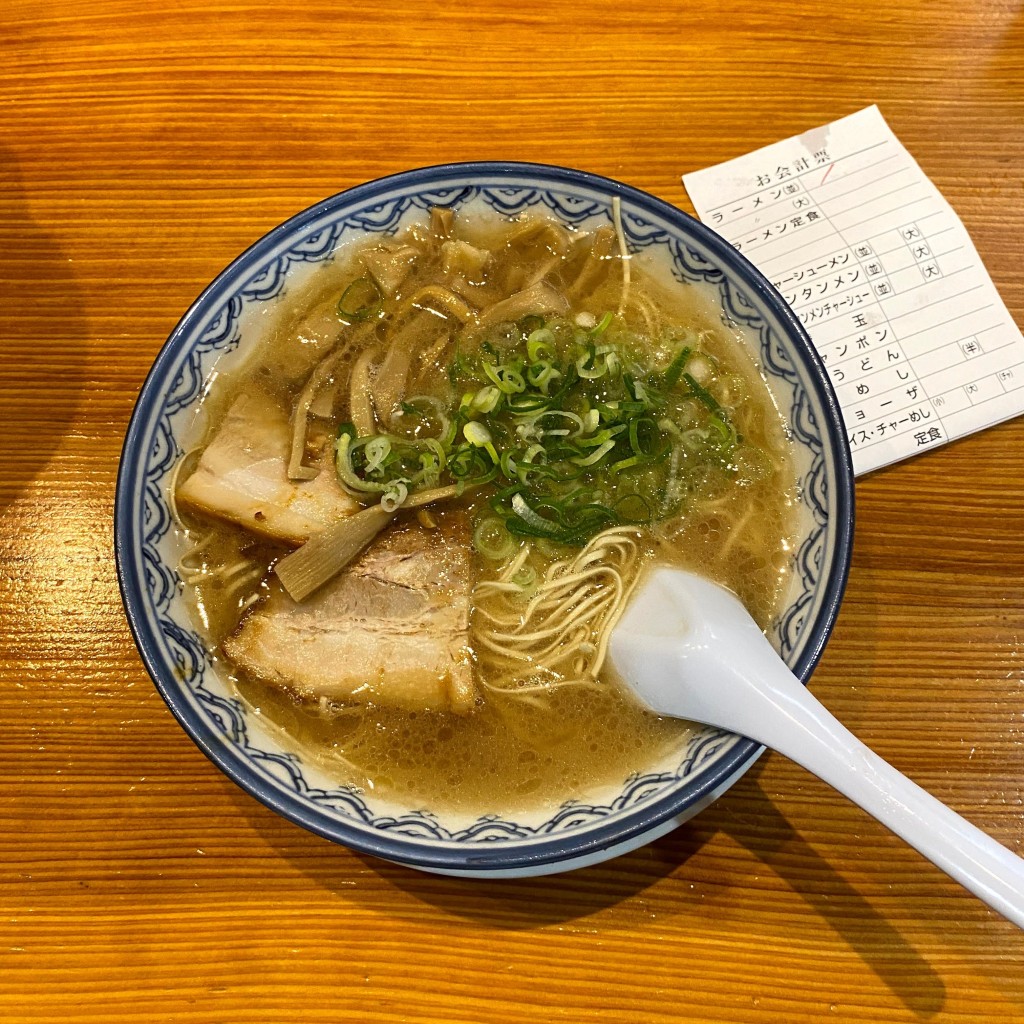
x: 511, y: 854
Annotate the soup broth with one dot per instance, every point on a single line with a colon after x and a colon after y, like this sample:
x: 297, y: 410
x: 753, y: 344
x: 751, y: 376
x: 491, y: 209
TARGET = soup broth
x: 657, y: 441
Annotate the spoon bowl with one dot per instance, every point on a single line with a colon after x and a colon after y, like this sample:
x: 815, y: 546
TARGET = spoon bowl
x: 689, y: 649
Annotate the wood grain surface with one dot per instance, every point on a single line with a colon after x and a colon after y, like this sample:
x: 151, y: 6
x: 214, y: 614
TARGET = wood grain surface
x: 144, y: 145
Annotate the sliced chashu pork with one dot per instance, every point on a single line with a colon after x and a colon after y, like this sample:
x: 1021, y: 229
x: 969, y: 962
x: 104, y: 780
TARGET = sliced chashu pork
x: 391, y: 629
x: 242, y: 476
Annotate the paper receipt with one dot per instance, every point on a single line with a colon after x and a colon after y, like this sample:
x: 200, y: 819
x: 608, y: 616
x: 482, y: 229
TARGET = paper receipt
x: 884, y: 277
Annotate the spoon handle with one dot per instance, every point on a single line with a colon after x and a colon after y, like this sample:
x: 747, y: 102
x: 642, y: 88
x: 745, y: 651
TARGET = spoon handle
x: 779, y: 712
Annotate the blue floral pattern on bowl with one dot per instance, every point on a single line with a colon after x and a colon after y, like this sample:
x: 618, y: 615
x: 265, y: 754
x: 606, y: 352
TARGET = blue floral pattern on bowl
x: 176, y: 656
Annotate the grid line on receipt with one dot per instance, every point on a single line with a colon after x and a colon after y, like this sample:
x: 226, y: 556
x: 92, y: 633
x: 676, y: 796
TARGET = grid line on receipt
x: 877, y: 267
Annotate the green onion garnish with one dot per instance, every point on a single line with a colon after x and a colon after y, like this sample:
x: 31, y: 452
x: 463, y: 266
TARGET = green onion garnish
x: 702, y: 394
x: 571, y: 430
x: 359, y: 301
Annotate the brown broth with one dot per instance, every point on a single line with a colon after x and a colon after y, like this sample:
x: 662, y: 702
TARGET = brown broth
x: 509, y: 755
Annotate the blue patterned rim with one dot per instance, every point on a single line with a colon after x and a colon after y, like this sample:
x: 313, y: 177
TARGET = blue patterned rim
x: 212, y: 321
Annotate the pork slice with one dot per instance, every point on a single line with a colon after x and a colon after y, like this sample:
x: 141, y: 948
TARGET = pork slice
x: 242, y: 476
x: 392, y: 629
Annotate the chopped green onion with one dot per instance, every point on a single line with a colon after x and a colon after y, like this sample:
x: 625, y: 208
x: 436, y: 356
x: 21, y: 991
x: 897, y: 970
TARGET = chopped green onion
x: 602, y: 325
x: 377, y: 450
x: 526, y: 577
x: 601, y: 436
x: 480, y: 437
x: 588, y: 367
x: 493, y: 540
x: 596, y: 455
x: 650, y: 435
x: 521, y: 405
x: 359, y: 301
x: 701, y: 393
x: 540, y: 345
x: 541, y: 374
x: 676, y: 367
x: 472, y: 466
x: 508, y: 465
x: 476, y: 433
x: 486, y: 399
x: 624, y: 464
x: 347, y: 474
x: 430, y: 471
x: 531, y: 518
x: 575, y: 420
x: 395, y: 494
x: 556, y: 417
x: 643, y: 514
x: 507, y: 380
x: 724, y: 430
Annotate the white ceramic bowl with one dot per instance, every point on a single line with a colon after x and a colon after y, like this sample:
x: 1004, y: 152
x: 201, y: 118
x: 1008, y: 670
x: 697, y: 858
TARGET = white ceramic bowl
x: 225, y: 322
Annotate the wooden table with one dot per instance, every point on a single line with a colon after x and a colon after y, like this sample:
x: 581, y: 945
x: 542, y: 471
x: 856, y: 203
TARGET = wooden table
x: 141, y: 147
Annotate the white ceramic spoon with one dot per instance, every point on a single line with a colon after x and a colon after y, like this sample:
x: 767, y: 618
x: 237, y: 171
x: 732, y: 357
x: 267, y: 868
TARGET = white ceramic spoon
x: 689, y: 649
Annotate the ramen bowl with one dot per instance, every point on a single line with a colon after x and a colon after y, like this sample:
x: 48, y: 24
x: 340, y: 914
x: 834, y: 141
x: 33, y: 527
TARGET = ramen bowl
x: 222, y: 327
